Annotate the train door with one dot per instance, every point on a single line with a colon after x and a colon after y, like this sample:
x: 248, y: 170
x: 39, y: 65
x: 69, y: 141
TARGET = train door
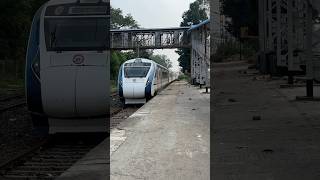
x: 158, y: 78
x: 154, y: 81
x: 161, y: 78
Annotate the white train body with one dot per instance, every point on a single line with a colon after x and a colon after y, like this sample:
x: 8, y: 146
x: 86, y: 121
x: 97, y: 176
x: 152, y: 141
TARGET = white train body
x: 140, y: 79
x: 68, y: 59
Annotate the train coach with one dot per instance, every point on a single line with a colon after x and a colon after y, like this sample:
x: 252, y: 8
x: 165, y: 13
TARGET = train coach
x: 140, y: 79
x: 66, y: 66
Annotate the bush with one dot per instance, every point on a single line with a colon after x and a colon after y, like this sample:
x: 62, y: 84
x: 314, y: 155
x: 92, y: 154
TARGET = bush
x: 230, y: 51
x: 184, y: 77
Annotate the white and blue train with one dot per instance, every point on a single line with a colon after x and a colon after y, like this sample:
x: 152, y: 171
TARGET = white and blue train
x: 67, y: 66
x: 140, y: 79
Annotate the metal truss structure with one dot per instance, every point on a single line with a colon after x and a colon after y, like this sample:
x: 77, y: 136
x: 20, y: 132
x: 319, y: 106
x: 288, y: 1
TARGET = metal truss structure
x: 162, y: 38
x: 283, y: 32
x: 289, y: 36
x: 196, y: 38
x: 313, y: 66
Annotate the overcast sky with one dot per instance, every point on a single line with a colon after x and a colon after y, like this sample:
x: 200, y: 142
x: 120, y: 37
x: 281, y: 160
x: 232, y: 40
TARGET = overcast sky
x: 156, y: 14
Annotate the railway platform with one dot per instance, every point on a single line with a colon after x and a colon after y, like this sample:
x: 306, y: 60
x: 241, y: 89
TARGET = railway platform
x: 260, y: 130
x: 167, y: 138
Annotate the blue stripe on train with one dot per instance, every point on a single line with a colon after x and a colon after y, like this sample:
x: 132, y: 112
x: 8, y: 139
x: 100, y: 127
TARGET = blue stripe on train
x: 149, y: 85
x: 33, y: 86
x: 120, y: 89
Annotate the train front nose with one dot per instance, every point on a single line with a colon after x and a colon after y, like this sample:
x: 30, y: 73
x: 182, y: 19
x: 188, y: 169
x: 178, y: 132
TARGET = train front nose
x: 75, y: 91
x: 134, y: 90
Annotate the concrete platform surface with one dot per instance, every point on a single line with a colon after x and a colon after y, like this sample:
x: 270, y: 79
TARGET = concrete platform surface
x: 167, y: 138
x: 261, y: 132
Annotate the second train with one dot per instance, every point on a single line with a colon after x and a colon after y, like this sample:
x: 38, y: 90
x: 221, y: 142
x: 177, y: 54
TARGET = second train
x: 140, y: 79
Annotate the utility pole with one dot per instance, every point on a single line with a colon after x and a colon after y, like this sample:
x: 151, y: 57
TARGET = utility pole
x: 309, y: 56
x: 138, y: 48
x: 309, y: 60
x: 240, y: 45
x: 138, y: 51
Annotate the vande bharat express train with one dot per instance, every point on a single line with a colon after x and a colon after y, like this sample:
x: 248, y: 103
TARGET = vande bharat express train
x: 66, y: 66
x: 140, y: 79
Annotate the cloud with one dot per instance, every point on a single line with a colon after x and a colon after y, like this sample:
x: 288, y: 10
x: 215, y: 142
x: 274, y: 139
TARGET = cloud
x: 154, y: 13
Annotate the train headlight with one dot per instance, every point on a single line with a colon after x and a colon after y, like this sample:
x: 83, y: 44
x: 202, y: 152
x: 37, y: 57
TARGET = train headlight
x: 36, y: 66
x: 148, y: 82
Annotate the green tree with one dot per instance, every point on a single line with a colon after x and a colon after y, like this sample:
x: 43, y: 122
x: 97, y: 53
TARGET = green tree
x: 117, y: 58
x: 118, y: 20
x: 195, y: 15
x: 162, y: 60
x: 16, y: 17
x: 242, y: 13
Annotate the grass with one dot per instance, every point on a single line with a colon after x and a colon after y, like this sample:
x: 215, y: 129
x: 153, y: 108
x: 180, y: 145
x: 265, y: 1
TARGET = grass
x: 11, y: 83
x: 184, y: 77
x: 113, y: 86
x: 11, y: 86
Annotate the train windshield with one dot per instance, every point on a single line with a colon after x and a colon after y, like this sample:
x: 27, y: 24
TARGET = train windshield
x: 76, y: 34
x: 135, y: 72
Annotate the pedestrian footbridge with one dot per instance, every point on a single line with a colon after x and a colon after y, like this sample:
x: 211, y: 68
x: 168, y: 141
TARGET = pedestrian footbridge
x: 196, y: 38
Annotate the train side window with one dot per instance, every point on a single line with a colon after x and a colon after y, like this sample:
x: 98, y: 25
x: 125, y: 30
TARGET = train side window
x: 156, y: 74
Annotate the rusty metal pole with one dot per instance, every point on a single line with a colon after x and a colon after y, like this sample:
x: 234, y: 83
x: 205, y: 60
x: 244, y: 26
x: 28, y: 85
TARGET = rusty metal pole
x: 309, y: 60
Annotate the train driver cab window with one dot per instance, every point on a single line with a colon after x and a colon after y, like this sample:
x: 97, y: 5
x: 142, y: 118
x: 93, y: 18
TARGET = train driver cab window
x: 136, y: 70
x: 63, y: 34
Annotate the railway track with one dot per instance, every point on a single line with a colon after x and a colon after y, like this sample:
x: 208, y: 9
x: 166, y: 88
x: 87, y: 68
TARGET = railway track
x: 49, y: 160
x: 117, y: 118
x: 9, y: 97
x: 10, y: 102
x: 54, y: 155
x: 14, y: 101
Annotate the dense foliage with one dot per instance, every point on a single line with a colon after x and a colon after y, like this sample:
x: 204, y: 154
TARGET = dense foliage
x: 242, y: 13
x: 118, y: 20
x: 15, y: 19
x: 194, y: 15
